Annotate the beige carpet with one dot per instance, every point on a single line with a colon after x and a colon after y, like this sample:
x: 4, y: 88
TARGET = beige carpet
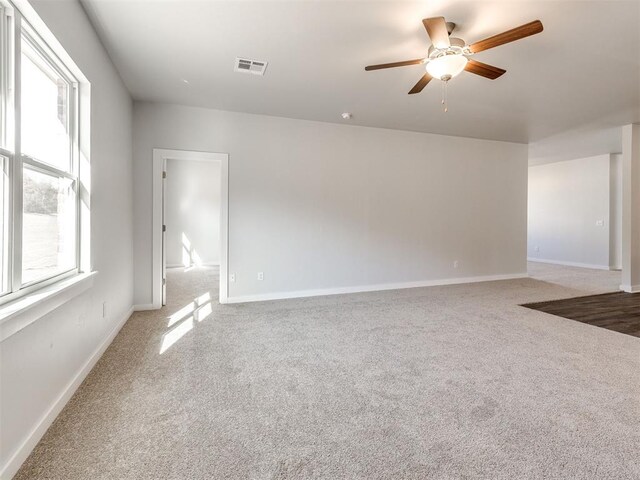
x: 431, y: 383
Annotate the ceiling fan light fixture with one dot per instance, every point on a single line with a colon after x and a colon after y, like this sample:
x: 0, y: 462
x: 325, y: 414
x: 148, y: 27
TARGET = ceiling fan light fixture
x: 446, y: 67
x: 448, y: 56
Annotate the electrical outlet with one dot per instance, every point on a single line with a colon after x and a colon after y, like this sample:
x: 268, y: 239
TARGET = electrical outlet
x: 104, y: 309
x: 260, y: 276
x: 232, y: 277
x: 536, y: 248
x: 599, y: 223
x: 456, y: 264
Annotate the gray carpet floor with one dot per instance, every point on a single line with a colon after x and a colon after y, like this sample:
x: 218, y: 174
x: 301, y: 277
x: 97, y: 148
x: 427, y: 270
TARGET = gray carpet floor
x: 444, y: 382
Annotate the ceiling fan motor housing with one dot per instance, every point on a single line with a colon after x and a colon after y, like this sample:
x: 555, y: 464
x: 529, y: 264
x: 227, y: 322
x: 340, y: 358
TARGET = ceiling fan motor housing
x: 458, y: 47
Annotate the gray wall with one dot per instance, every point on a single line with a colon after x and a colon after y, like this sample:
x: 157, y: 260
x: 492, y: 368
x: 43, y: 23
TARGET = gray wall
x: 575, y: 144
x: 192, y: 213
x: 615, y: 212
x: 322, y: 206
x: 40, y: 362
x: 567, y: 200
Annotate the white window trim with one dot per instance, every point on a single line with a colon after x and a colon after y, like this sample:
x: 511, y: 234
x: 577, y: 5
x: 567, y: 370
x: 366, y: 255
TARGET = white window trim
x: 31, y: 302
x: 24, y: 32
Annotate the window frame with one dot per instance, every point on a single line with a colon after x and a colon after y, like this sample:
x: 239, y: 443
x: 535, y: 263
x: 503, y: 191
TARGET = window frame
x: 19, y: 30
x: 7, y: 138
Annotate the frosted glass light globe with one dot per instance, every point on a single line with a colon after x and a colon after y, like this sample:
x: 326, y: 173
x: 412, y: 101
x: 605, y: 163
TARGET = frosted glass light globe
x: 447, y: 66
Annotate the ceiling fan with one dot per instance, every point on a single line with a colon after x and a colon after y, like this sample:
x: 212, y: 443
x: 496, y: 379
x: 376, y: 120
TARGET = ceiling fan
x: 448, y: 56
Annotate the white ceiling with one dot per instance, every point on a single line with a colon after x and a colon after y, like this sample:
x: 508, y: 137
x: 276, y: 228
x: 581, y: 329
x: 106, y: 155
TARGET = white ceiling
x: 583, y: 71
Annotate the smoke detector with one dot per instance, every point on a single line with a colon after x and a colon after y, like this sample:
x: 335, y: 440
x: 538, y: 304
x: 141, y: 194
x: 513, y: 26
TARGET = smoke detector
x: 255, y: 67
x: 347, y: 116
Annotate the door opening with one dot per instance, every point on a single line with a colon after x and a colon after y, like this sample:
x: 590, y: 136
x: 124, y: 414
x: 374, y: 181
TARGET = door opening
x: 190, y: 221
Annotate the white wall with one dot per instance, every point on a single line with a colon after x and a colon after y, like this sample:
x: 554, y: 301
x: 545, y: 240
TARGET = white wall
x: 322, y: 206
x: 631, y: 208
x: 40, y: 362
x: 575, y: 144
x: 192, y: 213
x: 566, y: 201
x: 615, y: 212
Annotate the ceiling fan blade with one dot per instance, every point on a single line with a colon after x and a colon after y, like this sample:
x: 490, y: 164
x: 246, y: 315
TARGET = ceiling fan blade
x: 437, y: 30
x: 417, y: 88
x: 484, y: 70
x: 395, y: 64
x: 512, y: 35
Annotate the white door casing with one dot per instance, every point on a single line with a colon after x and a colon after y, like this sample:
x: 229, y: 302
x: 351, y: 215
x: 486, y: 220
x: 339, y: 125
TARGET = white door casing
x: 160, y: 157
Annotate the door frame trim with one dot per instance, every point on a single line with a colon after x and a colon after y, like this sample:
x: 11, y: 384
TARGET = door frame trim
x: 160, y: 156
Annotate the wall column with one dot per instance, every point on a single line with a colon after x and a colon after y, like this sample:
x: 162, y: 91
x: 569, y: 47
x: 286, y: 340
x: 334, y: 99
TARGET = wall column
x: 631, y: 208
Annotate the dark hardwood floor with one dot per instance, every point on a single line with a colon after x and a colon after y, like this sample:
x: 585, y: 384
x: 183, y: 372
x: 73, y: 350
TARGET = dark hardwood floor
x: 617, y: 311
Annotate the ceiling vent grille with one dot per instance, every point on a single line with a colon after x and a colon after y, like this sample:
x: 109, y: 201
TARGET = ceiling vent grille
x: 254, y: 67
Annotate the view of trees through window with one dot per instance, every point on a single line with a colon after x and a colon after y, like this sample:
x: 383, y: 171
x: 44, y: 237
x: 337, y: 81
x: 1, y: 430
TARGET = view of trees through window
x: 39, y: 197
x: 49, y: 222
x: 49, y: 217
x: 38, y: 160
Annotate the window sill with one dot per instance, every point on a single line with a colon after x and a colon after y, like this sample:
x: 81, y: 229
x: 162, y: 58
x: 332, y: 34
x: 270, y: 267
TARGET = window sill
x: 20, y: 313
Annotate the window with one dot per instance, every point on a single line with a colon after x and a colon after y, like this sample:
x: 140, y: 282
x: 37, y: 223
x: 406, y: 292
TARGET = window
x: 44, y: 103
x: 40, y: 183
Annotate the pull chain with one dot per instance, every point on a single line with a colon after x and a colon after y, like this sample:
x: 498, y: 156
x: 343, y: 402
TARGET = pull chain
x: 444, y: 95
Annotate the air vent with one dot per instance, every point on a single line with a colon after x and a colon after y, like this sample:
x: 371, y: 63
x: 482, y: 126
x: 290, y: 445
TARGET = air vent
x: 254, y: 67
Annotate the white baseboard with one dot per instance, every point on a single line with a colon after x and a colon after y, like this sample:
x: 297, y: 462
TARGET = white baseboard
x: 143, y: 307
x: 14, y: 463
x: 569, y: 264
x: 180, y: 265
x: 369, y: 288
x: 630, y: 288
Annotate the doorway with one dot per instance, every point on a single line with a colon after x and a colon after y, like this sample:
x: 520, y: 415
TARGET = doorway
x: 179, y: 236
x: 574, y: 223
